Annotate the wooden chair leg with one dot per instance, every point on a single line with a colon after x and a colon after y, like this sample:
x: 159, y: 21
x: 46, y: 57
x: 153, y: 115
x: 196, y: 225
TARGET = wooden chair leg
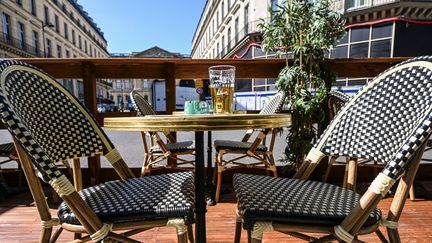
x: 190, y: 234
x: 56, y: 234
x: 381, y: 236
x: 218, y: 184
x: 182, y: 237
x: 412, y: 193
x: 238, y: 229
x: 256, y: 240
x: 329, y: 167
x: 352, y: 174
x: 393, y: 235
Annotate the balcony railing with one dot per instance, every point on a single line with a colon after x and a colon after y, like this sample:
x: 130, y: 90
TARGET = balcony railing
x: 89, y: 70
x: 19, y: 44
x: 249, y: 28
x: 353, y: 5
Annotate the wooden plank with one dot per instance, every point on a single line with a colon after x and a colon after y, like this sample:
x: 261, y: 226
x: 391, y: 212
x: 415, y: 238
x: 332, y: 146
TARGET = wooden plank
x: 90, y: 101
x: 153, y: 68
x: 415, y: 223
x: 170, y: 87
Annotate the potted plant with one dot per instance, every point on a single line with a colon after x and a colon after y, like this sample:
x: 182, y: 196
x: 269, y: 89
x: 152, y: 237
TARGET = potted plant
x: 302, y: 32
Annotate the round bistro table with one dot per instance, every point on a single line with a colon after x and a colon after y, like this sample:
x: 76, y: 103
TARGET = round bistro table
x: 198, y: 124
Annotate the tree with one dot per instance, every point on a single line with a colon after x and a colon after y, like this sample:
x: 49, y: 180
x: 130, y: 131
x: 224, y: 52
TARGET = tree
x: 303, y: 31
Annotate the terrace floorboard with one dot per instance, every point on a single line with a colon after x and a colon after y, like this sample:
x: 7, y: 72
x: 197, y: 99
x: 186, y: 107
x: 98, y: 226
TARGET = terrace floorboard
x: 19, y: 222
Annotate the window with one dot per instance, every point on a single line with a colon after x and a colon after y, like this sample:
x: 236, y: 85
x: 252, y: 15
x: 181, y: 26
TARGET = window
x: 217, y: 50
x: 340, y: 52
x: 6, y: 27
x: 21, y: 35
x: 64, y: 8
x: 236, y: 29
x: 120, y: 100
x: 66, y: 32
x: 359, y: 50
x: 79, y: 42
x: 380, y: 48
x: 146, y: 97
x: 19, y: 2
x: 127, y: 84
x: 35, y: 37
x: 59, y: 51
x: 354, y: 4
x: 360, y: 34
x: 56, y: 22
x: 46, y: 14
x: 246, y: 17
x: 85, y: 46
x: 229, y: 39
x: 67, y: 54
x: 223, y: 45
x: 243, y: 85
x: 145, y: 83
x: 223, y: 9
x: 118, y: 84
x: 48, y: 48
x: 32, y: 7
x: 217, y: 19
x: 73, y: 37
x: 382, y: 31
x: 229, y: 4
x: 68, y: 84
x: 80, y: 90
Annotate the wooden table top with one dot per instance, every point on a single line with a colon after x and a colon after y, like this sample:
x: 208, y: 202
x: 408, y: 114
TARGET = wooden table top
x: 207, y: 122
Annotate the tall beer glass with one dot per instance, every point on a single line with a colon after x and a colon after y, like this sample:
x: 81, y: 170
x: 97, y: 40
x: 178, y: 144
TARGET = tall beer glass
x: 222, y: 88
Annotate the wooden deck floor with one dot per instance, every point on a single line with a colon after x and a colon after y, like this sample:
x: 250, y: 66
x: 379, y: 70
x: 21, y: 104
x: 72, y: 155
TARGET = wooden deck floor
x: 19, y: 222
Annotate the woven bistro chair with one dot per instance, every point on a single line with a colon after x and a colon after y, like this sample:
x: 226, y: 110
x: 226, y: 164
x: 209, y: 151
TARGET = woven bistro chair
x: 336, y: 101
x: 389, y: 120
x: 256, y: 150
x: 158, y: 150
x: 48, y: 125
x: 8, y: 152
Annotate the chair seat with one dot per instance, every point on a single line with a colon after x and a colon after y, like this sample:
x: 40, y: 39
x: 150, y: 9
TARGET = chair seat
x: 236, y: 145
x: 137, y: 199
x: 176, y: 147
x: 265, y: 198
x: 6, y: 149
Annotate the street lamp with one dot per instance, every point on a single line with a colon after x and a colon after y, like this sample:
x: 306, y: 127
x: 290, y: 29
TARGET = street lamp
x: 43, y: 36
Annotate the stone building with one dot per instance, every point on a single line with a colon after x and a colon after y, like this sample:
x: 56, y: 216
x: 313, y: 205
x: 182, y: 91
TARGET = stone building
x: 121, y: 88
x: 51, y: 28
x: 375, y: 28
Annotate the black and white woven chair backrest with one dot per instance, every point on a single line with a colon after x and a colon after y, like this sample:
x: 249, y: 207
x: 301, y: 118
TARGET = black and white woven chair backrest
x: 337, y: 100
x: 47, y: 120
x: 386, y: 121
x: 141, y: 105
x: 274, y: 105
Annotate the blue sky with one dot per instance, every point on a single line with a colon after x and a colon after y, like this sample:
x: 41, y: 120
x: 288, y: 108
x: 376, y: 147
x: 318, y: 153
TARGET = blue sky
x: 136, y: 25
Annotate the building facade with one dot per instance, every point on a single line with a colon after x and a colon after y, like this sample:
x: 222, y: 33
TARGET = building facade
x: 375, y: 28
x: 229, y: 29
x: 51, y: 28
x: 382, y: 28
x: 121, y: 88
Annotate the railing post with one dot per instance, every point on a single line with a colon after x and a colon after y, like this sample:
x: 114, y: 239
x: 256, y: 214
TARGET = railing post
x: 170, y: 94
x: 170, y: 87
x: 90, y: 101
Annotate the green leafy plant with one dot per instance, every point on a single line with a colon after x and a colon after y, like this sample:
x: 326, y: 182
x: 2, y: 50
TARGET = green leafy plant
x: 302, y: 31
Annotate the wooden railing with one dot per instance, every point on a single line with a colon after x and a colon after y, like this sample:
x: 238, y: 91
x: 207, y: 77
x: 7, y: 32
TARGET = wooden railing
x: 89, y: 70
x: 171, y: 69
